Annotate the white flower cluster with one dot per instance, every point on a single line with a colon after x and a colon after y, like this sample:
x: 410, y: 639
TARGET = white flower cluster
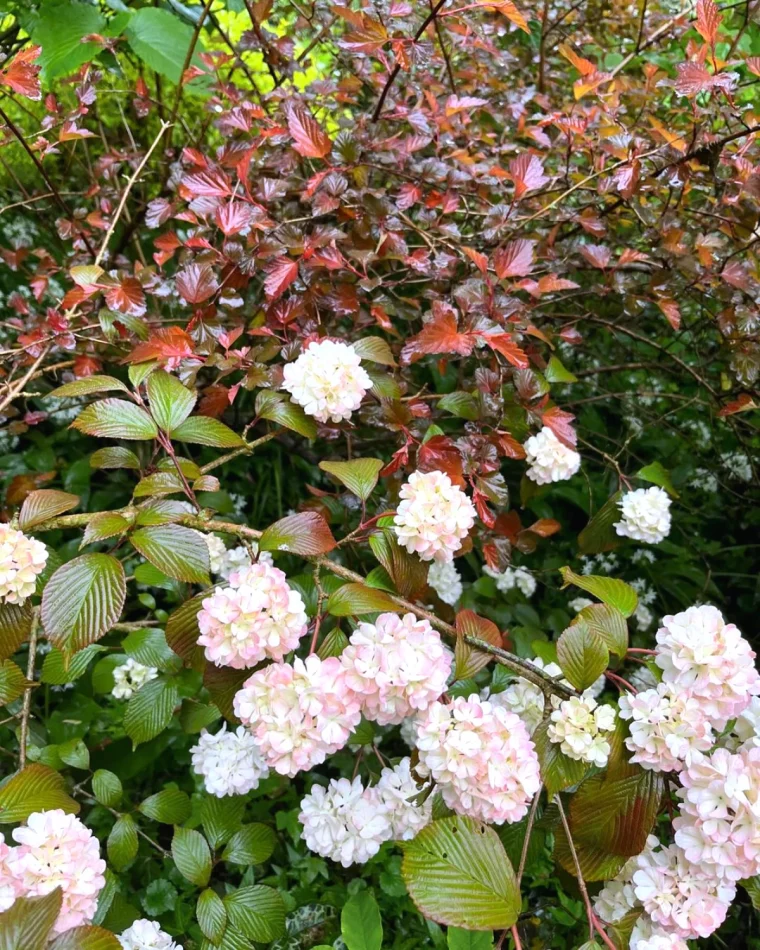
x: 258, y: 616
x: 645, y: 515
x: 230, y: 762
x: 128, y: 677
x: 549, y: 459
x: 480, y: 756
x: 228, y: 561
x: 433, y: 517
x: 328, y: 380
x: 21, y: 560
x: 396, y: 667
x: 513, y: 577
x: 347, y: 822
x: 578, y: 725
x: 446, y: 581
x: 217, y: 551
x: 524, y: 698
x: 146, y: 935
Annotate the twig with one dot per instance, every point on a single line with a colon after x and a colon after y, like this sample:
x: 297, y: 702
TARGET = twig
x: 528, y: 832
x: 17, y: 387
x: 243, y: 450
x: 444, y: 51
x: 125, y: 193
x: 186, y: 64
x: 27, y: 705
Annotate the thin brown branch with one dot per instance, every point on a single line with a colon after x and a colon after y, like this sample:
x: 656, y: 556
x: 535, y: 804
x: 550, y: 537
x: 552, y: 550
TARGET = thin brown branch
x: 188, y: 59
x: 18, y: 386
x: 27, y: 704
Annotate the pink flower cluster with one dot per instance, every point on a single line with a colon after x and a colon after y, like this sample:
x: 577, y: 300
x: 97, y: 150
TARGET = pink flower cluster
x: 433, y: 517
x: 719, y: 823
x: 396, y: 666
x: 299, y: 713
x: 256, y: 617
x: 481, y: 757
x: 54, y: 850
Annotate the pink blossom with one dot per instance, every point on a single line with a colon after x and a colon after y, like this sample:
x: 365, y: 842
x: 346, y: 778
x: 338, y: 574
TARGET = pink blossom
x: 396, y: 666
x: 433, y: 517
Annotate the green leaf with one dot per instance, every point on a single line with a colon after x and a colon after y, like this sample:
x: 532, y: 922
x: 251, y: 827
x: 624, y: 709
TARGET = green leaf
x: 359, y: 475
x: 170, y: 402
x: 458, y: 873
x: 657, y: 474
x: 161, y: 511
x: 59, y: 30
x: 253, y: 844
x: 355, y: 599
x: 150, y: 710
x: 599, y: 534
x: 177, y: 551
x: 408, y: 572
x: 558, y: 770
x: 182, y: 631
x: 306, y: 533
x: 202, y: 430
x: 87, y: 386
x: 752, y: 886
x: 35, y: 788
x: 610, y: 590
x: 555, y: 372
x: 192, y: 855
x: 149, y: 647
x: 114, y: 456
x: 102, y: 526
x: 212, y: 916
x: 161, y: 40
x: 375, y: 349
x: 609, y: 624
x: 333, y: 644
x: 106, y: 787
x: 12, y: 682
x: 122, y: 842
x: 86, y: 937
x: 15, y: 627
x: 459, y: 939
x: 257, y: 911
x: 74, y: 753
x: 582, y: 655
x: 169, y: 806
x: 597, y: 864
x: 360, y: 923
x: 159, y: 483
x: 278, y: 408
x: 115, y: 419
x: 57, y: 672
x: 41, y: 505
x: 194, y: 716
x: 83, y: 600
x: 27, y: 923
x: 221, y: 818
x: 461, y: 404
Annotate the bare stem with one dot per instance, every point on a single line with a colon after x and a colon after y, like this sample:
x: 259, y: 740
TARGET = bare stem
x: 27, y: 705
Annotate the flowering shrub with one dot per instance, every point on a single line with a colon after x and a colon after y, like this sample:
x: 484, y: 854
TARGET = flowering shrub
x: 378, y: 453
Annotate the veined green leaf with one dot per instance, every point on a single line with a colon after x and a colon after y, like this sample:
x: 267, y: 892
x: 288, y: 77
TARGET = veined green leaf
x: 170, y: 402
x: 115, y: 419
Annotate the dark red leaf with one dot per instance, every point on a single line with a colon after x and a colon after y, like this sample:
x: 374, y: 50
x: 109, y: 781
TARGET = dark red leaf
x: 209, y: 183
x: 708, y: 20
x: 504, y: 344
x: 560, y: 422
x: 170, y: 345
x: 281, y: 274
x: 196, y: 283
x: 311, y: 140
x: 127, y: 297
x: 514, y: 259
x: 439, y: 454
x: 22, y: 73
x: 440, y: 335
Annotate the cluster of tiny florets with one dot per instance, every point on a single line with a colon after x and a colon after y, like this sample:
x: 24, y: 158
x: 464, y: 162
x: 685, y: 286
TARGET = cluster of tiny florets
x: 328, y: 380
x: 299, y: 713
x: 130, y: 676
x: 550, y: 460
x: 446, y: 581
x: 433, y: 517
x: 396, y: 666
x: 512, y: 577
x: 579, y: 726
x: 258, y: 616
x: 54, y: 850
x: 524, y: 698
x: 146, y: 935
x: 480, y: 756
x: 21, y: 560
x: 230, y: 762
x: 645, y: 515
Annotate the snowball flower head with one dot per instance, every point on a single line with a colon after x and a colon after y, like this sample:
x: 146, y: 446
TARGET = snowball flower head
x: 579, y: 725
x: 328, y: 380
x: 699, y: 652
x: 216, y: 552
x: 617, y: 897
x: 146, y: 935
x: 679, y: 896
x: 667, y: 726
x: 549, y: 459
x: 396, y: 666
x: 21, y: 560
x: 399, y: 790
x: 647, y: 936
x: 433, y: 517
x: 481, y: 757
x: 719, y: 823
x: 10, y: 888
x: 645, y: 515
x: 256, y: 617
x: 345, y: 822
x: 446, y: 581
x: 524, y: 698
x: 129, y: 677
x: 513, y: 577
x: 57, y: 850
x: 746, y: 731
x: 230, y: 762
x: 299, y: 713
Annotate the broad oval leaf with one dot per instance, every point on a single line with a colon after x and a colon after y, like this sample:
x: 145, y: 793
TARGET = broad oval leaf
x: 27, y: 923
x: 306, y: 533
x: 610, y: 590
x: 360, y: 923
x: 104, y: 525
x: 355, y: 599
x: 83, y: 600
x: 122, y: 842
x: 170, y: 402
x: 179, y: 552
x: 87, y: 386
x: 12, y: 682
x: 192, y: 855
x: 169, y: 806
x: 458, y: 873
x: 278, y: 408
x: 257, y: 911
x: 35, y: 788
x: 43, y: 504
x: 212, y: 916
x: 115, y: 419
x: 15, y: 627
x: 203, y: 430
x: 86, y: 937
x: 114, y: 456
x: 107, y: 788
x: 599, y: 534
x: 359, y: 475
x: 609, y: 624
x: 150, y: 710
x: 582, y: 654
x: 252, y: 844
x: 375, y: 349
x: 558, y: 771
